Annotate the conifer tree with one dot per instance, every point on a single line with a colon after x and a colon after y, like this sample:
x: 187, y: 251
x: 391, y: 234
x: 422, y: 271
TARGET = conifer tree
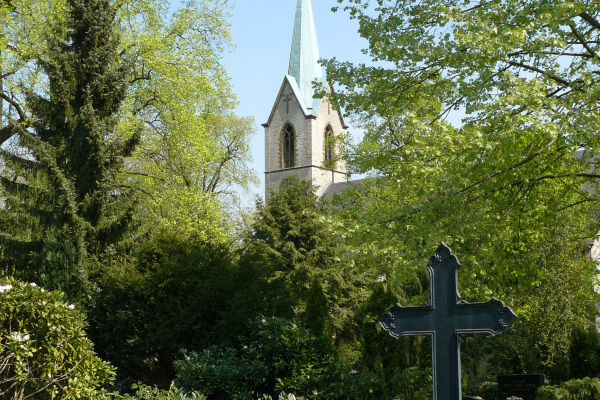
x: 316, y: 316
x: 380, y: 352
x: 290, y: 245
x: 62, y: 201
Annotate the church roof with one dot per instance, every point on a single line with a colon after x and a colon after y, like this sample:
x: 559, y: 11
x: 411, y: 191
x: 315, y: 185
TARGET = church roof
x: 304, y: 56
x: 337, y: 188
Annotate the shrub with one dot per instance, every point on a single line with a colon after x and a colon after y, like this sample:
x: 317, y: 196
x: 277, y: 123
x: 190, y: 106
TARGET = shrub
x: 151, y: 393
x: 44, y: 353
x: 552, y: 393
x: 575, y: 389
x: 297, y: 360
x: 583, y: 389
x: 279, y: 355
x: 220, y: 373
x: 170, y: 297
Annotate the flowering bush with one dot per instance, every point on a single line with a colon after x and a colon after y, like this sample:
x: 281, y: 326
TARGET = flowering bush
x: 44, y: 353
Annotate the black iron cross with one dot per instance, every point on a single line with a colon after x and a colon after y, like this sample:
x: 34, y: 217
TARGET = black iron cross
x: 286, y: 99
x: 444, y: 319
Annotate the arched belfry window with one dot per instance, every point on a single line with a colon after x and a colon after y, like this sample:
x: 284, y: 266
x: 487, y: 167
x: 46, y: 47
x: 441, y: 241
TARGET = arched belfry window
x: 329, y: 144
x: 289, y: 146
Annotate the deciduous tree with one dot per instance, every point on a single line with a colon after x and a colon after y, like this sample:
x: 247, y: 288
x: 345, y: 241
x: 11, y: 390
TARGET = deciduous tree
x: 480, y: 130
x: 522, y: 74
x: 191, y: 162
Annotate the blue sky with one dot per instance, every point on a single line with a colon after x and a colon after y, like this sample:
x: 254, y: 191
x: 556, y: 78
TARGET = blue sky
x: 262, y: 33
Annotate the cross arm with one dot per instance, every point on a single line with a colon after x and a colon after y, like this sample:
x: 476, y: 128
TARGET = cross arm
x: 491, y: 317
x: 405, y: 321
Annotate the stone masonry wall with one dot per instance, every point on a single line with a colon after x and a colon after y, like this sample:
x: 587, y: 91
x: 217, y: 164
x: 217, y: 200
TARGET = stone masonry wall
x: 309, y: 144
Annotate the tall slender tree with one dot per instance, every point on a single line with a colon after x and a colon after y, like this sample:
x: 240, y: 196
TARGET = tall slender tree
x: 63, y: 202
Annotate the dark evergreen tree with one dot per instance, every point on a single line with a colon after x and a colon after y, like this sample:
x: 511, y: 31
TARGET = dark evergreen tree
x: 392, y: 366
x: 380, y: 351
x: 584, y: 353
x: 63, y: 203
x: 290, y: 244
x: 169, y: 299
x: 316, y: 317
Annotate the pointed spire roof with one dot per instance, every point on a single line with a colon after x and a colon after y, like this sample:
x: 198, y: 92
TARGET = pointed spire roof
x: 304, y: 57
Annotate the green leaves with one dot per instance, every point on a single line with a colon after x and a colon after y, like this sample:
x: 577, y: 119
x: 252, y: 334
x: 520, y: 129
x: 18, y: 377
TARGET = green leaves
x: 514, y: 150
x: 480, y: 131
x: 178, y: 106
x: 194, y: 148
x: 45, y: 350
x: 67, y: 158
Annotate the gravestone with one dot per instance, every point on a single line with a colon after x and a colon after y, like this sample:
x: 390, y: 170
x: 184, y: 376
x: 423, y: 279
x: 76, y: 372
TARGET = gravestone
x: 521, y: 386
x: 445, y: 319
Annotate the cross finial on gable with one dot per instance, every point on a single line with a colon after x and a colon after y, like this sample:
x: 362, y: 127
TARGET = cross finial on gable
x: 287, y: 99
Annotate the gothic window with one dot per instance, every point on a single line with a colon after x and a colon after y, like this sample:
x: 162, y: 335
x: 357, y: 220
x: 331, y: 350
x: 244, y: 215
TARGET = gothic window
x: 328, y: 144
x: 289, y: 146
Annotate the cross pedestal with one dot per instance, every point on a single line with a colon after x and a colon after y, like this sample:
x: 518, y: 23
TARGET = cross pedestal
x: 445, y: 319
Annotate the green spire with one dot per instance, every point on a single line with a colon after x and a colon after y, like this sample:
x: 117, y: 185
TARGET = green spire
x: 304, y: 57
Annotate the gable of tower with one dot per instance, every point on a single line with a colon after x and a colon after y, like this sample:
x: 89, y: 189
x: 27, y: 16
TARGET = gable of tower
x: 309, y: 126
x: 287, y: 111
x: 289, y: 92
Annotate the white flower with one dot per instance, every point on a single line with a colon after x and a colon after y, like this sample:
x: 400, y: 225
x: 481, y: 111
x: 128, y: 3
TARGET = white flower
x: 33, y: 284
x: 4, y: 288
x: 71, y: 306
x: 17, y: 336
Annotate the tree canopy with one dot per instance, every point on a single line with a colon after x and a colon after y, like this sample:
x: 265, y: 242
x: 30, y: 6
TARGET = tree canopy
x: 480, y: 131
x: 193, y: 150
x: 479, y: 122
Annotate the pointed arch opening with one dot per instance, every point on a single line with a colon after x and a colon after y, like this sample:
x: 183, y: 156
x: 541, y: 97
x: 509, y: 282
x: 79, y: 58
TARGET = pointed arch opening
x: 288, y: 142
x: 329, y: 146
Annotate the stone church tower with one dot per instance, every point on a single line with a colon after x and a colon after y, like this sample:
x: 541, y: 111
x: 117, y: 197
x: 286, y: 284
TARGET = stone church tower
x: 296, y: 131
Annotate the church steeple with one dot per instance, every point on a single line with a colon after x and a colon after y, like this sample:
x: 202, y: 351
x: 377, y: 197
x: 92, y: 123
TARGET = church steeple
x: 304, y: 56
x: 300, y: 132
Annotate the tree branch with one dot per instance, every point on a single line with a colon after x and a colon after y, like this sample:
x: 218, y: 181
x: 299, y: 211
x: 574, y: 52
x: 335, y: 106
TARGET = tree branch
x: 15, y: 105
x: 516, y: 165
x: 582, y: 41
x: 534, y: 69
x: 7, y: 74
x: 590, y: 20
x: 7, y: 132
